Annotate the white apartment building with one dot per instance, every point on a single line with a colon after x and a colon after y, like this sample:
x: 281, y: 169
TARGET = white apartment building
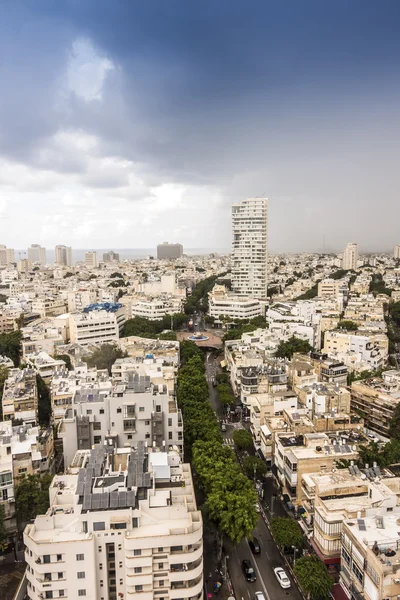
x: 135, y: 410
x: 222, y: 303
x: 358, y: 351
x: 7, y: 256
x: 91, y: 260
x: 63, y: 255
x: 250, y: 248
x: 49, y: 307
x: 20, y: 398
x: 37, y: 254
x: 78, y: 299
x: 396, y: 253
x: 155, y: 309
x: 350, y: 257
x: 44, y: 335
x: 65, y: 384
x: 24, y: 265
x: 124, y: 524
x: 44, y: 364
x: 98, y: 326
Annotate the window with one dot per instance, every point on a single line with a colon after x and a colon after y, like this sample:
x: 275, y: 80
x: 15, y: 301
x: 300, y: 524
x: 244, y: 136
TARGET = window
x: 96, y: 426
x: 81, y: 592
x: 161, y: 583
x: 147, y: 422
x: 138, y: 588
x: 89, y: 412
x: 162, y: 549
x: 61, y: 593
x: 97, y: 439
x: 130, y: 436
x: 49, y: 594
x: 357, y: 572
x: 8, y: 449
x: 137, y: 553
x: 99, y: 526
x: 170, y: 435
x: 141, y: 408
x: 169, y: 422
x: 135, y: 522
x: 60, y: 575
x: 22, y: 470
x: 158, y: 407
x: 138, y: 569
x: 119, y: 410
x: 160, y: 565
x: 81, y: 575
x: 59, y: 557
x: 46, y: 558
x: 118, y: 526
x: 101, y: 411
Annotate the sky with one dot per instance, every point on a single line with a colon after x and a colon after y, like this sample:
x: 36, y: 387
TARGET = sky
x: 126, y: 123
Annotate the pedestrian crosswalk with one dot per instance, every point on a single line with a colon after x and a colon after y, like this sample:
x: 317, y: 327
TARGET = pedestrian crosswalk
x: 229, y: 442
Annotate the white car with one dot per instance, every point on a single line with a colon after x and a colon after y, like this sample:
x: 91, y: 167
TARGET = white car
x: 283, y: 579
x: 259, y: 596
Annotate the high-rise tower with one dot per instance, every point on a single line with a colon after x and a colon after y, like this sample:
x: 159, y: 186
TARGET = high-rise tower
x: 250, y: 248
x: 63, y: 256
x: 350, y: 257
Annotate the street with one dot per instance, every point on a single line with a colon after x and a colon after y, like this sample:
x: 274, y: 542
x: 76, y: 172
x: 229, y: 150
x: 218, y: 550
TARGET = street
x: 269, y: 558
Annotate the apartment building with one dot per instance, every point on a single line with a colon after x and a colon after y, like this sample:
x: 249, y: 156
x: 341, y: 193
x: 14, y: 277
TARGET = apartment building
x: 49, y: 307
x: 98, y: 324
x: 167, y: 251
x: 64, y: 385
x: 370, y: 555
x: 328, y: 288
x: 155, y: 309
x: 376, y: 399
x: 221, y: 303
x: 250, y: 248
x: 350, y: 257
x: 44, y: 364
x: 44, y: 335
x: 137, y: 409
x: 23, y: 451
x: 358, y: 351
x: 91, y: 260
x: 396, y: 252
x: 111, y: 257
x: 295, y: 455
x: 123, y: 523
x: 20, y: 398
x: 7, y: 256
x: 165, y: 351
x: 37, y: 255
x: 63, y: 255
x: 78, y: 299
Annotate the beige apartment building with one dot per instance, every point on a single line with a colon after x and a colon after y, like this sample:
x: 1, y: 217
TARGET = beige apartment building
x: 20, y: 397
x: 328, y: 288
x: 122, y: 523
x: 376, y: 399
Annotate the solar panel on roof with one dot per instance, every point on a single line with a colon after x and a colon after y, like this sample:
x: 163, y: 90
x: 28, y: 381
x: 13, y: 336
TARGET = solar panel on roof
x: 348, y: 449
x: 122, y: 496
x: 96, y: 501
x: 87, y: 501
x: 336, y: 449
x: 357, y: 470
x: 105, y: 500
x: 114, y: 500
x: 80, y: 488
x: 377, y: 471
x: 351, y: 469
x: 361, y: 525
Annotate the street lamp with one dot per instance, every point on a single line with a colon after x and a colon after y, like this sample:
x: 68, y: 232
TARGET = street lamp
x: 294, y: 554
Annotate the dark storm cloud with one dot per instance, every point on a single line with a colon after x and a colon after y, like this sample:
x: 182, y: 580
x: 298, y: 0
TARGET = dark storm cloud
x: 294, y: 100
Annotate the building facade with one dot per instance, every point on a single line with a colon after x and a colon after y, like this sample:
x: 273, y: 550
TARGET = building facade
x: 63, y: 256
x: 350, y: 257
x: 167, y: 251
x: 37, y: 254
x: 250, y: 248
x: 91, y: 260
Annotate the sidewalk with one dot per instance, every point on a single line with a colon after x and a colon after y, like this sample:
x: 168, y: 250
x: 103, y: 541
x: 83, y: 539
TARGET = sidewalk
x: 11, y: 574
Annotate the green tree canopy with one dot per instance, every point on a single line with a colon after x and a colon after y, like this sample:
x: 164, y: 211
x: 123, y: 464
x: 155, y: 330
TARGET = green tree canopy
x: 347, y: 325
x: 313, y: 577
x: 189, y: 349
x: 294, y: 344
x: 10, y: 345
x: 32, y: 497
x: 67, y: 359
x: 243, y: 439
x: 142, y: 327
x: 104, y: 357
x: 286, y: 532
x: 254, y: 464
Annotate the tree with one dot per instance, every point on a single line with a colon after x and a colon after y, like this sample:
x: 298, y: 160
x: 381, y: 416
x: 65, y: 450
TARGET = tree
x: 347, y: 325
x: 104, y: 357
x: 294, y: 344
x: 116, y: 275
x: 44, y: 402
x: 67, y: 359
x: 313, y: 577
x: 3, y: 377
x: 32, y: 497
x: 189, y: 349
x: 243, y: 439
x: 254, y: 466
x: 286, y: 532
x: 68, y: 274
x: 168, y: 335
x: 10, y: 345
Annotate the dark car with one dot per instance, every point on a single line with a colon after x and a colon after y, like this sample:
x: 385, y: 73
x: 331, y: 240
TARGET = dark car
x: 248, y: 571
x: 255, y: 546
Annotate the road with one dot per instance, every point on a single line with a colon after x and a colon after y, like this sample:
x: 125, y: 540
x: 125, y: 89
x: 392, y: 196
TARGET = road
x: 270, y: 557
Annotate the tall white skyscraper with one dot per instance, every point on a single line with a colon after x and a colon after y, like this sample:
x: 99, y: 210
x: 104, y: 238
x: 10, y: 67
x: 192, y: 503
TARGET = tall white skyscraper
x: 250, y: 248
x: 396, y: 252
x: 64, y: 256
x: 91, y: 260
x: 7, y: 256
x: 37, y: 254
x: 350, y: 257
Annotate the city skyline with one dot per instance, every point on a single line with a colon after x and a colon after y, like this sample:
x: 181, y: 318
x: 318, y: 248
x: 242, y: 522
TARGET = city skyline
x: 132, y: 121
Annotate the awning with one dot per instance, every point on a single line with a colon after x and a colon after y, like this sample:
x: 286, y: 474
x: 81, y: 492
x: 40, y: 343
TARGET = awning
x: 223, y: 364
x: 338, y: 592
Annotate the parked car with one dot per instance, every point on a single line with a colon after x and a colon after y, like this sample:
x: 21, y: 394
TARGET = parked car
x: 248, y: 571
x: 259, y: 596
x: 283, y: 579
x: 223, y: 426
x: 257, y: 507
x: 255, y: 546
